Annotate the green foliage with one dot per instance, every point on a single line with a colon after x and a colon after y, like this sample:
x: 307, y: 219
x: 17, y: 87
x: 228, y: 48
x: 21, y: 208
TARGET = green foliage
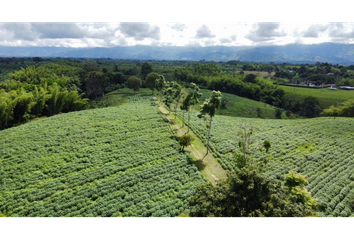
x: 250, y: 78
x: 134, y: 83
x: 95, y: 83
x: 98, y: 162
x: 244, y: 86
x: 346, y: 109
x: 185, y: 141
x: 210, y: 106
x: 146, y: 68
x: 310, y: 107
x: 319, y: 148
x: 20, y: 106
x: 151, y: 79
x: 293, y: 179
x: 248, y: 193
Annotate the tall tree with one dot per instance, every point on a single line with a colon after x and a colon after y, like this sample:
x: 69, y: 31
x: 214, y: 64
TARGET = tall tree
x: 146, y: 68
x: 177, y: 94
x: 134, y: 83
x: 209, y: 108
x: 160, y: 84
x: 192, y: 98
x: 168, y: 97
x: 95, y: 83
x: 185, y: 141
x: 151, y: 80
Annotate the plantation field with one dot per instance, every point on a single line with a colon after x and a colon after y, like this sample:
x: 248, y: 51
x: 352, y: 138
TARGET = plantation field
x: 325, y: 97
x: 120, y: 97
x: 116, y: 161
x: 236, y: 106
x: 259, y: 73
x: 241, y: 107
x: 320, y: 148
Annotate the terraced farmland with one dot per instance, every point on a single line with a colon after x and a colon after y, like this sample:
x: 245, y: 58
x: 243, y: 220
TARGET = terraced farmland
x: 117, y: 161
x: 321, y: 148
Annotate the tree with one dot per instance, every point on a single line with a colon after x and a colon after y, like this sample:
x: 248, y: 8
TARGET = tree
x: 90, y: 66
x: 346, y: 109
x: 250, y: 78
x: 146, y: 68
x: 248, y: 193
x: 177, y: 94
x: 192, y: 98
x: 160, y: 84
x: 310, y: 107
x: 168, y: 97
x: 95, y: 83
x: 209, y: 108
x: 134, y: 83
x: 246, y: 147
x: 185, y: 141
x: 151, y: 80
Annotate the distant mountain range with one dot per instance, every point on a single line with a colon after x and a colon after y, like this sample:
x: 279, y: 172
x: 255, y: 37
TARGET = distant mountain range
x: 292, y: 53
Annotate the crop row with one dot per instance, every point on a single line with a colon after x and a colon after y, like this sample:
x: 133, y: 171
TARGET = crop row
x: 104, y: 162
x: 322, y: 149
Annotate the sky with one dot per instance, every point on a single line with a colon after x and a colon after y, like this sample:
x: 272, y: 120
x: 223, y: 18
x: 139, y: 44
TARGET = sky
x: 103, y: 34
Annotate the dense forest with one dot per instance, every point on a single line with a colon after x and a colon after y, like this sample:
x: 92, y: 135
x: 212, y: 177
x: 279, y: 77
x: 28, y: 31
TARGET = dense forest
x: 37, y: 87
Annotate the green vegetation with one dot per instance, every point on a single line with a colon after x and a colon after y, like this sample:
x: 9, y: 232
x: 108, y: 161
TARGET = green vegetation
x: 103, y: 162
x: 126, y: 160
x: 346, y: 109
x: 319, y: 148
x: 326, y: 97
x: 236, y: 106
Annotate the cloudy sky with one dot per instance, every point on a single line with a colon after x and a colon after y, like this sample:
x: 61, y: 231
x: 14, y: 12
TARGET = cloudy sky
x: 65, y: 34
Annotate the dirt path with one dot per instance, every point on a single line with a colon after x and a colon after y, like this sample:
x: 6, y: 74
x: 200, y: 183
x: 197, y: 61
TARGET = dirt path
x: 207, y: 164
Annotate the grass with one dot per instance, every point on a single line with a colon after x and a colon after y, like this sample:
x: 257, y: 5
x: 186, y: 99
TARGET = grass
x: 325, y: 96
x: 120, y: 97
x: 207, y: 164
x: 259, y: 73
x: 241, y: 107
x: 236, y: 106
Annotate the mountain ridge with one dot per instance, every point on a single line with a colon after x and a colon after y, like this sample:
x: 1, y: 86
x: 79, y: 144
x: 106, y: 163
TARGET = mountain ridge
x: 291, y: 53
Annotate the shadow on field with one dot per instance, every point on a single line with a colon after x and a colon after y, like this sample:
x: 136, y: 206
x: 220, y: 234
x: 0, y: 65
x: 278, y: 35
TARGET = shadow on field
x: 200, y: 164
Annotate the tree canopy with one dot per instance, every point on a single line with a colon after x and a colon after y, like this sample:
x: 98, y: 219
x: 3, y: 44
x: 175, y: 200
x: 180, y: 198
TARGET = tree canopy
x: 134, y: 83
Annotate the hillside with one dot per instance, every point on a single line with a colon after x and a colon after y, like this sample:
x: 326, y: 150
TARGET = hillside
x: 113, y: 161
x: 320, y: 148
x: 292, y: 53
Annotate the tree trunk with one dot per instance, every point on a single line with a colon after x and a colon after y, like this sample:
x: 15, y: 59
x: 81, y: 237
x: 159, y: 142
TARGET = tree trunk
x: 189, y: 117
x: 183, y: 118
x: 209, y: 136
x: 153, y: 91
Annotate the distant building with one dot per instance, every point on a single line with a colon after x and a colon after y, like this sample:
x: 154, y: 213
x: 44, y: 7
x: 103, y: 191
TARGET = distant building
x: 346, y: 88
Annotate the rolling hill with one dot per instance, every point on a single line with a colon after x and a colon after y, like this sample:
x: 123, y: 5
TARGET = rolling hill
x: 292, y: 53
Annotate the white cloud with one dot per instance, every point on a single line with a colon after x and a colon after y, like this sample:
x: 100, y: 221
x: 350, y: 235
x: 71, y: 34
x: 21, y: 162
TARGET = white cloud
x: 171, y: 34
x: 140, y: 31
x: 204, y: 32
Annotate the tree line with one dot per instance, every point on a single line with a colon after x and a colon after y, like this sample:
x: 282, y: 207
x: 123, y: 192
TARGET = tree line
x: 211, y: 77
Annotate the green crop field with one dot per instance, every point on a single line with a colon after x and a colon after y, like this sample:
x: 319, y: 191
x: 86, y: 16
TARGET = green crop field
x: 325, y: 96
x: 116, y: 161
x: 320, y: 148
x: 236, y: 106
x: 241, y: 107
